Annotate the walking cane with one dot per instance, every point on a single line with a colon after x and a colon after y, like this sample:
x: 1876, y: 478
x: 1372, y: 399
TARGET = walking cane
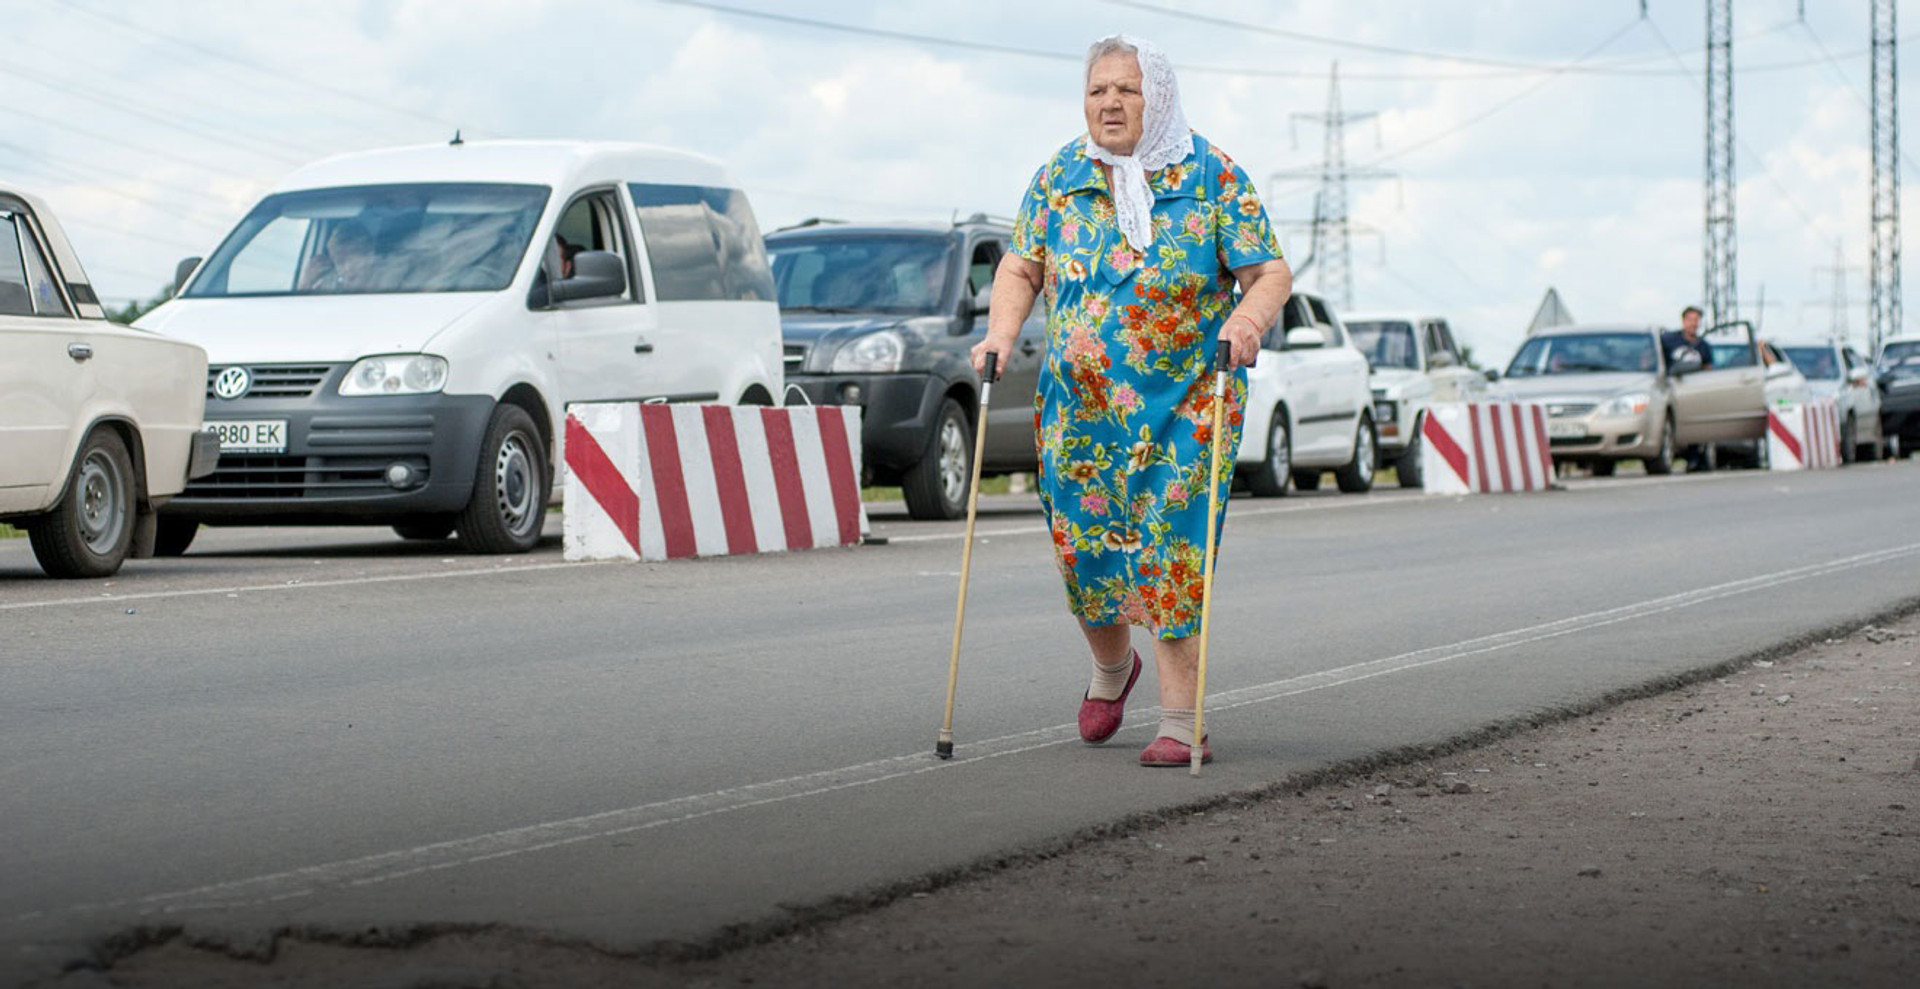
x: 944, y: 746
x: 1222, y: 359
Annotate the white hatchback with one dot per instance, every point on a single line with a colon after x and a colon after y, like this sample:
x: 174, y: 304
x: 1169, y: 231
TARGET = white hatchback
x: 1308, y: 407
x: 99, y: 423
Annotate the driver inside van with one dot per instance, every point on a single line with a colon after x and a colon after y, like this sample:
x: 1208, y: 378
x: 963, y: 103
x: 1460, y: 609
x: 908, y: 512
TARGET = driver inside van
x: 346, y: 265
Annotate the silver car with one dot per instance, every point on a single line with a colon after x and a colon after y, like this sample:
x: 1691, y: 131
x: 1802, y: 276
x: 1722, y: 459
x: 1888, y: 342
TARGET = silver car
x: 1611, y: 394
x: 1835, y: 370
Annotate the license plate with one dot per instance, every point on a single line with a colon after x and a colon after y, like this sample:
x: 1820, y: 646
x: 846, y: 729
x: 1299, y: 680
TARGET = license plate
x: 252, y: 436
x: 1566, y: 430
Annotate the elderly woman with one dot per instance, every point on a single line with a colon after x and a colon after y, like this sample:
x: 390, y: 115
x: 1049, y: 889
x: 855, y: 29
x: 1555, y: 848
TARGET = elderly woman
x: 1137, y: 234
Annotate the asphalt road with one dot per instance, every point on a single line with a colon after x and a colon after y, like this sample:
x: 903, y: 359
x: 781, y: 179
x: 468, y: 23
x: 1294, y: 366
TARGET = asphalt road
x: 333, y: 730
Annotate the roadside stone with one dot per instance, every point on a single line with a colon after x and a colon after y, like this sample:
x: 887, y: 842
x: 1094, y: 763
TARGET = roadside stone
x: 1783, y: 699
x: 1591, y: 872
x: 1457, y: 786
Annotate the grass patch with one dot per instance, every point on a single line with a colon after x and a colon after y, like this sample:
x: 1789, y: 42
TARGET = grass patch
x: 988, y: 485
x: 9, y: 532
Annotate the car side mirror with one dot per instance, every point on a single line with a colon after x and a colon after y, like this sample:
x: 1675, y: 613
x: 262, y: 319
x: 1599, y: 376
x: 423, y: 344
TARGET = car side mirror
x: 982, y: 299
x: 1860, y: 375
x: 1682, y: 362
x: 1442, y: 358
x: 1492, y: 375
x: 596, y: 275
x: 1305, y: 338
x: 1778, y: 369
x: 183, y: 271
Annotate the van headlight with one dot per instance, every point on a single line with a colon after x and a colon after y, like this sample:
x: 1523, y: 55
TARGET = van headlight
x: 877, y: 351
x: 1630, y: 404
x: 396, y: 374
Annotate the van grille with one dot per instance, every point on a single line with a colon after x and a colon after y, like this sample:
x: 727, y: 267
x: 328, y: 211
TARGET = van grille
x: 277, y: 380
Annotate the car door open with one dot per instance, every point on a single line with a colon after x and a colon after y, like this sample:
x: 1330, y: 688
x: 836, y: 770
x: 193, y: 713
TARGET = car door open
x: 1726, y: 401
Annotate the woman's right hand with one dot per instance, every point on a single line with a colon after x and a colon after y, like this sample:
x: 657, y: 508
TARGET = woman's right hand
x: 998, y: 344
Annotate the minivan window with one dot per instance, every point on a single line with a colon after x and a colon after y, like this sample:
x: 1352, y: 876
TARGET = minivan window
x: 891, y: 273
x: 1387, y: 343
x: 703, y: 243
x: 427, y: 237
x: 1585, y: 353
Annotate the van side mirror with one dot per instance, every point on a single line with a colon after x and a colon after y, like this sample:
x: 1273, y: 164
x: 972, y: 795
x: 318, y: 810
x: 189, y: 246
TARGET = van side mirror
x: 183, y: 271
x: 1778, y: 369
x: 596, y: 275
x: 1442, y: 358
x: 1305, y: 338
x: 1860, y: 375
x: 1492, y: 375
x: 982, y: 299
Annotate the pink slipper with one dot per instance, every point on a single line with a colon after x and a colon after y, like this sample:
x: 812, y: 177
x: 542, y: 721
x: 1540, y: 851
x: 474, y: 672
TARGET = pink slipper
x: 1172, y: 752
x: 1100, y: 719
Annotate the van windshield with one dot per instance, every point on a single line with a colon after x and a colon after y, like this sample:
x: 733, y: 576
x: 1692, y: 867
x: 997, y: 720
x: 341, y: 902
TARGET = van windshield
x: 904, y: 274
x: 439, y: 237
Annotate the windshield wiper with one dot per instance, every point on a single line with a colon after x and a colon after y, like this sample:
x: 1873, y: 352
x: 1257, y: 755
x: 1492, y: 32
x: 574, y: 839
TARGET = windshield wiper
x: 825, y: 309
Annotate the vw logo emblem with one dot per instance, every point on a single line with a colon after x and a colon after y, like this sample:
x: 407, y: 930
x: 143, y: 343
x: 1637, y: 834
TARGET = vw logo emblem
x: 232, y: 382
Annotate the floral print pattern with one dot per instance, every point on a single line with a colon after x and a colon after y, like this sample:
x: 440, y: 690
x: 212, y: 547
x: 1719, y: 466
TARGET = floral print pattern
x: 1124, y: 409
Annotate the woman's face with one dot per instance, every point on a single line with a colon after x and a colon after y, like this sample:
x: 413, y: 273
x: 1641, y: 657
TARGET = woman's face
x: 1116, y: 106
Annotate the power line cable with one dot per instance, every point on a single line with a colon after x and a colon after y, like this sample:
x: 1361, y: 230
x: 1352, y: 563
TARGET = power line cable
x: 1519, y: 68
x: 122, y: 143
x: 1512, y: 66
x: 265, y: 70
x: 39, y: 160
x: 1839, y: 72
x: 126, y: 107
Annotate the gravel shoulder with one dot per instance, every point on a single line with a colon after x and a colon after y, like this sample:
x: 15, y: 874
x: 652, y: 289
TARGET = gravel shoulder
x: 1758, y: 829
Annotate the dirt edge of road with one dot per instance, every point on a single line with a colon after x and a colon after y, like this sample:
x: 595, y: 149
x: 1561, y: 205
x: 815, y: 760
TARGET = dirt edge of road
x: 108, y: 953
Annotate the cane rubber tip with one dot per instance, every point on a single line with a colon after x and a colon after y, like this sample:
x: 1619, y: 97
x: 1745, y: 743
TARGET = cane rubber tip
x: 943, y: 749
x: 1193, y: 768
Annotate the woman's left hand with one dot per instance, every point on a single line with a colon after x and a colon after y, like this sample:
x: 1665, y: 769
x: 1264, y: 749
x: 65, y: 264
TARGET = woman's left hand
x: 1243, y: 334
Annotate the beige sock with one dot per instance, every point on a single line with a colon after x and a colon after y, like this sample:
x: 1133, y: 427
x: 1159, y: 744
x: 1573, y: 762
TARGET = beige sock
x: 1110, y: 681
x: 1177, y: 723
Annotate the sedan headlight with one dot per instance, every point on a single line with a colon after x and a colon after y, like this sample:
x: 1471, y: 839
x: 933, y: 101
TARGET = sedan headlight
x: 396, y: 374
x: 878, y: 351
x: 1630, y: 404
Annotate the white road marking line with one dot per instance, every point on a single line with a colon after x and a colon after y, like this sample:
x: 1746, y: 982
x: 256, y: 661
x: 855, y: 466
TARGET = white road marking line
x: 387, y: 866
x: 296, y: 584
x: 1233, y: 513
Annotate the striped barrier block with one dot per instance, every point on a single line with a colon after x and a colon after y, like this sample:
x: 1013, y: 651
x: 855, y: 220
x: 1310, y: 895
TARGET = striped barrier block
x: 665, y: 482
x: 1804, y: 437
x: 1485, y: 447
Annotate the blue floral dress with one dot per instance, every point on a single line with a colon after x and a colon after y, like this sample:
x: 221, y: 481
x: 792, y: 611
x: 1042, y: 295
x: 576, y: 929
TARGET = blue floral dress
x: 1123, y: 411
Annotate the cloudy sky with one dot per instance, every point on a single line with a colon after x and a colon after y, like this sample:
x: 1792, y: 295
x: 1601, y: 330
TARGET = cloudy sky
x: 1535, y: 143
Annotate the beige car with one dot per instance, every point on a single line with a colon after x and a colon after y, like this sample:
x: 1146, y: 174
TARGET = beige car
x: 1612, y: 394
x: 100, y: 424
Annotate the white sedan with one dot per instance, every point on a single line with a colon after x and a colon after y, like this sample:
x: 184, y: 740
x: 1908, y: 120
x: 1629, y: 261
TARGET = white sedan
x: 1309, y: 409
x: 100, y: 424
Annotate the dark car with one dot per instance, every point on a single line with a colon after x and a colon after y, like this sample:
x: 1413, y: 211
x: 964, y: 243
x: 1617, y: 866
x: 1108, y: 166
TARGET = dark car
x: 1899, y: 379
x: 882, y: 315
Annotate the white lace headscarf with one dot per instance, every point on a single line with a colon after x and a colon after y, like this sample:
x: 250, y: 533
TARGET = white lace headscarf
x: 1165, y: 137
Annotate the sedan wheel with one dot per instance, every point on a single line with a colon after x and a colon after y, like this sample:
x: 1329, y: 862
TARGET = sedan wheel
x: 90, y: 530
x: 1270, y: 479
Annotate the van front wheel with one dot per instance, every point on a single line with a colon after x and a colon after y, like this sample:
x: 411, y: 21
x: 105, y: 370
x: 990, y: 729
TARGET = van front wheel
x: 510, y: 487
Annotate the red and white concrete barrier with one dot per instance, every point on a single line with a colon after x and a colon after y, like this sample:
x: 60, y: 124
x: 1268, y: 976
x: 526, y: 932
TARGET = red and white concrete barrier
x: 1485, y: 447
x: 1804, y: 437
x: 663, y: 482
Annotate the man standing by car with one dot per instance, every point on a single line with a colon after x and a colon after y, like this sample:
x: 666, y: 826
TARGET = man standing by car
x: 1687, y: 337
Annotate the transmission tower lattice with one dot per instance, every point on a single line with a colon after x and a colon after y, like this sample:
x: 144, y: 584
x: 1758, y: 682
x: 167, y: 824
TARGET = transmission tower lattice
x: 1721, y: 257
x: 1332, y: 231
x: 1883, y: 271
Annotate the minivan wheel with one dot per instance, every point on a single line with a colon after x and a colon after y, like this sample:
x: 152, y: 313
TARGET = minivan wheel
x: 1408, y: 467
x: 172, y: 536
x: 1662, y: 462
x: 936, y: 485
x: 1356, y: 476
x: 1269, y: 480
x: 510, y: 487
x: 426, y: 527
x: 90, y: 530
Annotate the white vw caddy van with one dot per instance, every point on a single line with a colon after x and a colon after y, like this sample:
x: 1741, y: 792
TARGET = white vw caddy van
x: 393, y: 337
